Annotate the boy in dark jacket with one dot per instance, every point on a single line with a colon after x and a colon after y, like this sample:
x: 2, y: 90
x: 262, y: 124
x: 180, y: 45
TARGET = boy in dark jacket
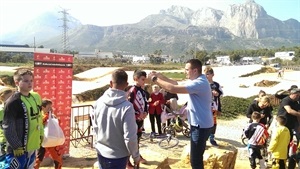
x: 257, y: 135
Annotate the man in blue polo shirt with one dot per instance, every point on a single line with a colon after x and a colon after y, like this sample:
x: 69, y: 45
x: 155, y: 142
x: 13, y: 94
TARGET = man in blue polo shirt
x: 199, y: 106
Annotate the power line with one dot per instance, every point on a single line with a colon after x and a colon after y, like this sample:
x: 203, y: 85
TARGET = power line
x: 65, y: 38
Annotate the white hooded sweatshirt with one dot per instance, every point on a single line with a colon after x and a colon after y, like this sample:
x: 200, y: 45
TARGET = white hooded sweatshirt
x: 114, y: 123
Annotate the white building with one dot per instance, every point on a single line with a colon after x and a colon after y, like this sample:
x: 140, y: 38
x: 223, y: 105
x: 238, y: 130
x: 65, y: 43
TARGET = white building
x: 223, y: 60
x: 289, y: 55
x: 247, y: 60
x: 23, y: 50
x: 140, y: 59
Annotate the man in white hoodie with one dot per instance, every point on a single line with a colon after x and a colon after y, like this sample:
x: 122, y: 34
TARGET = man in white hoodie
x: 114, y: 123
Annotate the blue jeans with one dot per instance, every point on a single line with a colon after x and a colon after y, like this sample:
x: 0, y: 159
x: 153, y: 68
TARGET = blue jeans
x: 112, y: 163
x: 198, y: 144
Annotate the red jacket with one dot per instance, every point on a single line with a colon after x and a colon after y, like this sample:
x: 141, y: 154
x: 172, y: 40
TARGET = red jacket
x: 157, y: 108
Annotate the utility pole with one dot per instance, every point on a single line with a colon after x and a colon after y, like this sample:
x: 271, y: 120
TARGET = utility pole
x: 34, y: 43
x: 195, y: 51
x: 65, y: 27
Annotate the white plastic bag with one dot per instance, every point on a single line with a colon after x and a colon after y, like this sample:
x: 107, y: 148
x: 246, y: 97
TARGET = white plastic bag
x: 53, y: 134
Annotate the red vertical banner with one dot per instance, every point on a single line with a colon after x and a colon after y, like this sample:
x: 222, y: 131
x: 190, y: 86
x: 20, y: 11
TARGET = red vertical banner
x: 53, y: 75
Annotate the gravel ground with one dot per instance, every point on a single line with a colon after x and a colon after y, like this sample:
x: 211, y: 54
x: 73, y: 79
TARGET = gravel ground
x: 228, y: 131
x: 231, y: 131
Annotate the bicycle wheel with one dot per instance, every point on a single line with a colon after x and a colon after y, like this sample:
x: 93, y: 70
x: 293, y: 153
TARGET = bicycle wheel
x: 245, y: 141
x: 186, y: 132
x: 169, y: 130
x: 168, y: 142
x: 145, y: 136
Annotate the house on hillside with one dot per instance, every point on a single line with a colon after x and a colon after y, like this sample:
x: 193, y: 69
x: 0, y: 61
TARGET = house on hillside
x: 289, y: 55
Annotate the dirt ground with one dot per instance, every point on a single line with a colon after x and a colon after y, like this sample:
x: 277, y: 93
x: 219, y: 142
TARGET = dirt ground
x: 84, y: 156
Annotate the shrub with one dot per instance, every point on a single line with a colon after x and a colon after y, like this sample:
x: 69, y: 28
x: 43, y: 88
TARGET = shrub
x: 262, y: 70
x: 91, y: 95
x: 232, y: 107
x: 8, y: 80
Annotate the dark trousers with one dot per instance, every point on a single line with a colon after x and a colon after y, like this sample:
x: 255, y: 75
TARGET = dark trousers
x: 139, y: 124
x: 156, y: 117
x: 109, y: 163
x: 279, y: 163
x: 214, y: 128
x: 198, y: 144
x: 254, y: 153
x: 55, y: 154
x: 293, y: 160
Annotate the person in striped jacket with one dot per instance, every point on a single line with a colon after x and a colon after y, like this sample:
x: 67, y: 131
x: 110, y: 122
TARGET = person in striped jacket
x: 257, y: 134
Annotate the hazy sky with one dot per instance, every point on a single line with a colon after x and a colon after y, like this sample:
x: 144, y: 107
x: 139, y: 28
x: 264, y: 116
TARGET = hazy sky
x: 14, y: 13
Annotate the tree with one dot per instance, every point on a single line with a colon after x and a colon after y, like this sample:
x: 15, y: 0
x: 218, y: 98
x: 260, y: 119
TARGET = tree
x: 18, y: 58
x: 4, y: 57
x: 234, y: 57
x: 201, y: 55
x: 277, y: 60
x: 158, y: 52
x: 53, y: 51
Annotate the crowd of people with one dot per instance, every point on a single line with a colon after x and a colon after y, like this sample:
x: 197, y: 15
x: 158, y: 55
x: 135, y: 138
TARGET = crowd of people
x: 119, y: 114
x: 203, y: 105
x: 282, y: 136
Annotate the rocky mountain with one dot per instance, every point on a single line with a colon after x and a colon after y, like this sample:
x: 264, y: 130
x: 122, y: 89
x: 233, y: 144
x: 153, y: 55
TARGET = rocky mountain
x: 175, y: 31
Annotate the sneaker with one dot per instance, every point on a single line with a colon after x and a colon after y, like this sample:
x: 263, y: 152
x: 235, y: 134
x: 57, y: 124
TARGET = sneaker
x: 213, y: 142
x: 143, y: 161
x: 129, y: 165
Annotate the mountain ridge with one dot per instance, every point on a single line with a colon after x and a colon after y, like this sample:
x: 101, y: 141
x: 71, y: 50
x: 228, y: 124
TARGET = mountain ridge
x: 178, y: 29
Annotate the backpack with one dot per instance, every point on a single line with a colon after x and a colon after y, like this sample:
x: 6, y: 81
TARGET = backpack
x: 261, y: 134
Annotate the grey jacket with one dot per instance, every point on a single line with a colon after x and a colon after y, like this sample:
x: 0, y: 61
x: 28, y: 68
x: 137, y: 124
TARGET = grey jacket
x: 114, y: 123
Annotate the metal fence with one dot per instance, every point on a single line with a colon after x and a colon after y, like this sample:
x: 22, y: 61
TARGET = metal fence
x: 81, y: 125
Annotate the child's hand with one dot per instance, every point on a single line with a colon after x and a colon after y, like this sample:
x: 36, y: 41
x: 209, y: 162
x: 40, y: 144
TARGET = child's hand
x: 267, y: 126
x: 215, y: 93
x: 143, y: 115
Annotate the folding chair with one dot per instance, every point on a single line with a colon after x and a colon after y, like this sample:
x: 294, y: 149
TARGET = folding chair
x: 81, y: 129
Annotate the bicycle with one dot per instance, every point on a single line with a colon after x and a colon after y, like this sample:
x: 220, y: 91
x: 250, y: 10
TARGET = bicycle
x: 178, y: 123
x: 244, y: 138
x: 145, y: 136
x: 169, y: 141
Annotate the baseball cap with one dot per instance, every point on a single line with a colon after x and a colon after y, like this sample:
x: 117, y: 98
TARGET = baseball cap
x: 295, y: 90
x: 293, y: 87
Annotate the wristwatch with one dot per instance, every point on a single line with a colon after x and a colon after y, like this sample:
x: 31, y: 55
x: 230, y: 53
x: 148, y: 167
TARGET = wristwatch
x: 154, y: 79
